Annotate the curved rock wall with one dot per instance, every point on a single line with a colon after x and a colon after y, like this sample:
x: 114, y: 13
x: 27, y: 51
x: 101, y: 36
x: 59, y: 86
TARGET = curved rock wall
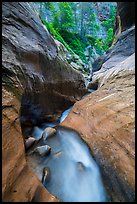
x: 106, y: 121
x: 31, y: 63
x: 36, y: 79
x: 19, y: 184
x: 106, y: 118
x: 124, y: 48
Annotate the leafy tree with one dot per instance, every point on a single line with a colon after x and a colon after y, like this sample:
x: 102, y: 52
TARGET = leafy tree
x: 63, y: 17
x: 77, y: 24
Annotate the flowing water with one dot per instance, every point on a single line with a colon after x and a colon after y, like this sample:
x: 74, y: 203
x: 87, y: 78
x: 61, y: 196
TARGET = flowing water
x: 74, y: 175
x: 37, y: 131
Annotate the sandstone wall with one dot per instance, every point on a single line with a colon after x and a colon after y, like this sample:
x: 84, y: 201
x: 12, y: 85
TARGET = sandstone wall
x: 37, y: 83
x: 31, y: 63
x: 106, y: 121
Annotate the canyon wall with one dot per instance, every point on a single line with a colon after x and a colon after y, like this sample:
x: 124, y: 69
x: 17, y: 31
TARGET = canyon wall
x: 43, y: 84
x: 106, y: 118
x: 106, y: 121
x: 126, y: 11
x: 37, y: 85
x: 19, y: 184
x: 32, y: 67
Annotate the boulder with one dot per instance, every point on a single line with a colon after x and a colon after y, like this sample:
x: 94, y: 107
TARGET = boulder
x: 42, y: 150
x: 48, y: 132
x: 46, y: 175
x: 92, y: 85
x: 29, y: 142
x: 81, y: 166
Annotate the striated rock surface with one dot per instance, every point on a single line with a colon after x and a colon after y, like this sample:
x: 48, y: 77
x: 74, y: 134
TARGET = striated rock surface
x: 38, y: 80
x: 31, y: 63
x: 124, y: 48
x: 19, y: 184
x: 106, y: 121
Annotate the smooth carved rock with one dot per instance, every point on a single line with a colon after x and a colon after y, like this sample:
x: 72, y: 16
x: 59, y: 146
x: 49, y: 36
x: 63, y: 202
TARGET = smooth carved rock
x: 48, y: 132
x: 29, y: 142
x: 124, y: 46
x: 107, y: 123
x: 19, y: 183
x: 32, y: 64
x: 42, y: 150
x: 122, y: 52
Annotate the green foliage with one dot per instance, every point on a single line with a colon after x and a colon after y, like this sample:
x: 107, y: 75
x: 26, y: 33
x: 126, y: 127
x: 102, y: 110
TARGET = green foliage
x: 97, y: 27
x: 56, y: 35
x: 48, y: 5
x: 75, y: 42
x: 109, y: 23
x: 74, y: 25
x: 98, y: 44
x: 63, y: 17
x: 109, y: 36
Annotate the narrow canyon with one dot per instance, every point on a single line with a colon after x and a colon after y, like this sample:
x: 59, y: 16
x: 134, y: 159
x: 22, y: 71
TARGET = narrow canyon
x: 67, y: 134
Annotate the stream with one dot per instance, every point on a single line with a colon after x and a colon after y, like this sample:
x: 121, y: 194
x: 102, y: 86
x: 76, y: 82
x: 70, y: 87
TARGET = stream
x: 73, y: 173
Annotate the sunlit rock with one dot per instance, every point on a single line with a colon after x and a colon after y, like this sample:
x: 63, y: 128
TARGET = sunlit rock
x: 48, y: 132
x: 29, y: 142
x: 42, y: 150
x: 106, y: 121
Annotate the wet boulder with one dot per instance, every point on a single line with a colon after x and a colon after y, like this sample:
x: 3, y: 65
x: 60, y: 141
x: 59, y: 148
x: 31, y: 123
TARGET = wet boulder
x: 48, y: 132
x: 29, y: 142
x: 42, y: 150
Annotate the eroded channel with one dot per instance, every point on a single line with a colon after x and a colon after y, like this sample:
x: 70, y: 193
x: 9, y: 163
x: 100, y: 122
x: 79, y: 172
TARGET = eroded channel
x: 72, y: 174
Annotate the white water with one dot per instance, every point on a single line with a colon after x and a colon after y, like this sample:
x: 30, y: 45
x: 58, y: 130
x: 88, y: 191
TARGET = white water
x: 65, y: 114
x: 73, y: 183
x: 37, y: 131
x: 75, y: 176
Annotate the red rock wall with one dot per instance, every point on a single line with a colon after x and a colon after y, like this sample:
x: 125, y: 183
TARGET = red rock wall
x: 31, y: 63
x: 37, y: 80
x: 106, y: 121
x: 19, y: 184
